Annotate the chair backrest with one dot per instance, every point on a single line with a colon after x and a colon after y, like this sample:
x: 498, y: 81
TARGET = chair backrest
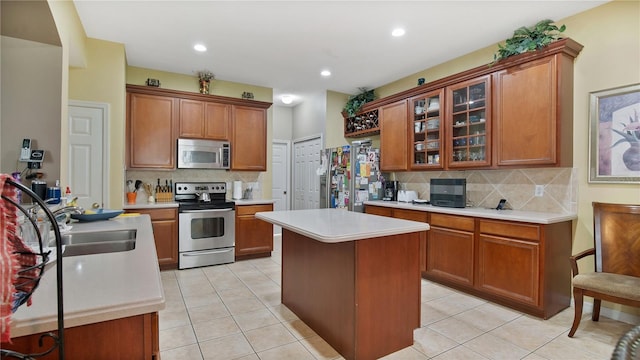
x: 616, y: 230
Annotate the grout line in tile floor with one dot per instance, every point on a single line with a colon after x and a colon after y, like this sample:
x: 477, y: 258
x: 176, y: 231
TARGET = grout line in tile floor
x: 233, y: 311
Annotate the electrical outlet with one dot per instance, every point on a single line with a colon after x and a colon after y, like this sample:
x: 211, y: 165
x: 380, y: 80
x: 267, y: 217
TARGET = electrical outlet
x: 539, y: 190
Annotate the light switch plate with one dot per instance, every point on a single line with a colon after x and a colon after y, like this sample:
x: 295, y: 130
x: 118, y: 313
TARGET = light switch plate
x: 539, y: 190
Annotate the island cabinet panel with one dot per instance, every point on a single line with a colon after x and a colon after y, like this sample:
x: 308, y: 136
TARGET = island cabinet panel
x: 151, y: 138
x: 450, y: 249
x: 134, y: 337
x: 254, y: 237
x: 249, y: 139
x: 165, y: 233
x: 394, y: 137
x: 362, y: 296
x: 204, y: 120
x: 527, y: 112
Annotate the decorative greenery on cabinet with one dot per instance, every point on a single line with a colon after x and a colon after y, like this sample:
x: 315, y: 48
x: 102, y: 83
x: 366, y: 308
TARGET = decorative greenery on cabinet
x: 526, y: 39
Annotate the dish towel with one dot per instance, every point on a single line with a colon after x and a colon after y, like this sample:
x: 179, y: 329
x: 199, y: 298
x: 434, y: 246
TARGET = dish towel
x: 18, y: 276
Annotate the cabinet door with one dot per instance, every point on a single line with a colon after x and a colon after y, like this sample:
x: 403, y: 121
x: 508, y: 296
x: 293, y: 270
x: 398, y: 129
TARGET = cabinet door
x: 509, y: 268
x: 468, y: 121
x: 253, y: 236
x: 191, y: 124
x: 165, y: 233
x: 450, y: 248
x: 428, y: 135
x: 526, y: 114
x: 393, y: 137
x: 216, y: 121
x: 249, y: 143
x: 421, y: 216
x: 151, y: 139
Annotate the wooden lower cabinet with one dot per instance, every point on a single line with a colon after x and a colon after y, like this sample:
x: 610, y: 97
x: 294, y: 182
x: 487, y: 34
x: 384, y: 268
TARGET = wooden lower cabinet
x: 254, y: 237
x: 165, y: 233
x: 134, y: 337
x: 521, y: 265
x: 450, y: 249
x: 414, y: 215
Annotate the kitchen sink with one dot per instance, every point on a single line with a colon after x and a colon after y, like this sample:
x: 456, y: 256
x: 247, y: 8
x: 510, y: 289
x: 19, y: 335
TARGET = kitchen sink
x: 98, y: 242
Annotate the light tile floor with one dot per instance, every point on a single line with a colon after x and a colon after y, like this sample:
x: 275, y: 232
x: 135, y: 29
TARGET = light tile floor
x: 234, y: 312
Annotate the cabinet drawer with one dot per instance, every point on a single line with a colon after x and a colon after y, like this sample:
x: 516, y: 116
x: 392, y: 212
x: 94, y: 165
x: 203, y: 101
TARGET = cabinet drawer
x: 414, y: 215
x: 252, y: 209
x: 378, y: 210
x: 452, y: 221
x: 511, y: 230
x: 157, y: 214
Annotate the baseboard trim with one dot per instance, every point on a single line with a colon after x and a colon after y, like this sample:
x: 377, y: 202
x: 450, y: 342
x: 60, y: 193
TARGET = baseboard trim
x: 610, y: 313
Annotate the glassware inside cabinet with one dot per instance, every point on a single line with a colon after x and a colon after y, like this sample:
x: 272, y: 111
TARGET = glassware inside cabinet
x: 427, y: 134
x: 468, y: 136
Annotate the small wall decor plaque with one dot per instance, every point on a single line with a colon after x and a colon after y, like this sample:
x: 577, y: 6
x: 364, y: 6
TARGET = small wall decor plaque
x: 153, y: 82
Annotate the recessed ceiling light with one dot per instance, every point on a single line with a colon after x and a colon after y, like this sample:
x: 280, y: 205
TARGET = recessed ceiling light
x: 397, y: 32
x: 286, y: 99
x: 200, y: 48
x: 325, y: 73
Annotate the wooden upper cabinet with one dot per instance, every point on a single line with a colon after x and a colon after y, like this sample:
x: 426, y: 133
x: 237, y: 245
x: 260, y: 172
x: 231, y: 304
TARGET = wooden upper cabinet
x: 468, y: 123
x: 151, y: 138
x: 533, y: 113
x: 249, y: 139
x: 394, y: 137
x: 204, y: 120
x: 216, y: 121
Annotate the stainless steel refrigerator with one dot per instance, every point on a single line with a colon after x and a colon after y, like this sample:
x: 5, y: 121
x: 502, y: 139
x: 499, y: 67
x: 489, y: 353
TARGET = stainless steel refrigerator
x: 350, y: 175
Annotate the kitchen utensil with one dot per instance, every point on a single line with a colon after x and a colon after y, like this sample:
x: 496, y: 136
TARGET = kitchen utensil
x: 138, y: 184
x: 130, y: 186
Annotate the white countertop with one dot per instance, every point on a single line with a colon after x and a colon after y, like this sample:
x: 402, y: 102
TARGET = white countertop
x: 98, y: 287
x: 333, y: 225
x: 157, y: 205
x: 511, y: 215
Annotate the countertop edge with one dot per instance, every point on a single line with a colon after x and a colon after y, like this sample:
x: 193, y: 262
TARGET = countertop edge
x: 406, y: 228
x: 507, y: 215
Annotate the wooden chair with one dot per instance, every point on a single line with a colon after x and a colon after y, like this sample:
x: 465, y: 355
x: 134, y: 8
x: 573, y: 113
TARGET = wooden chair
x: 616, y: 230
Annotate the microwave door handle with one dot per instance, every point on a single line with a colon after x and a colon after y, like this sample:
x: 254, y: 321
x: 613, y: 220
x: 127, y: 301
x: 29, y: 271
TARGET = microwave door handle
x: 205, y: 211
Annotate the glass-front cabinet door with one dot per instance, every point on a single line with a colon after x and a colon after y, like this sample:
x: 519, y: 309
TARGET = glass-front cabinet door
x: 468, y: 123
x: 427, y: 130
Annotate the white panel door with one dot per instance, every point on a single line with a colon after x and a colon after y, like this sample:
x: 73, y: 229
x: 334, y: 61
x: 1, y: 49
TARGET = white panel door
x: 281, y: 173
x: 87, y: 175
x: 306, y: 181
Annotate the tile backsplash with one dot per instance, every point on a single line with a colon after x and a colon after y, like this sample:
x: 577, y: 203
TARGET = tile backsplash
x: 486, y: 187
x: 253, y: 179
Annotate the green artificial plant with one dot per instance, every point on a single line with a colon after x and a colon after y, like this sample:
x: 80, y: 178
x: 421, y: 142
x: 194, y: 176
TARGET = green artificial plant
x: 355, y: 102
x: 527, y: 39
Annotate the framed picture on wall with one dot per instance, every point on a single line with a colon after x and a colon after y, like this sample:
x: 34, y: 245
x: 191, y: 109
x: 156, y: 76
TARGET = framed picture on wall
x: 614, y: 135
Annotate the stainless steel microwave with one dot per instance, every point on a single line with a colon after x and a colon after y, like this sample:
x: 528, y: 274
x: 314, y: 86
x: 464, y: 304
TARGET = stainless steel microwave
x: 203, y: 154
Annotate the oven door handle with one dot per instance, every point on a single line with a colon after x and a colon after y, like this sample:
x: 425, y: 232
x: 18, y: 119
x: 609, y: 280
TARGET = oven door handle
x: 208, y: 252
x: 205, y: 211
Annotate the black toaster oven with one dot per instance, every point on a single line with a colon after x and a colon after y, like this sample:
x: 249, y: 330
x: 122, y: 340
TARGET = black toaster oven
x: 448, y: 192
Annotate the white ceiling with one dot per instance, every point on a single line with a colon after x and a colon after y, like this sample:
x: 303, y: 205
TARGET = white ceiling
x: 285, y: 44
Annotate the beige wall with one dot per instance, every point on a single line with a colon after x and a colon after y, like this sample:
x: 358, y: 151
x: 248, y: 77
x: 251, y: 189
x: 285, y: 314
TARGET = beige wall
x: 102, y: 81
x: 30, y: 105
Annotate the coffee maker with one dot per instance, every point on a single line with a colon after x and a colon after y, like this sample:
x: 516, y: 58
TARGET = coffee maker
x: 391, y: 191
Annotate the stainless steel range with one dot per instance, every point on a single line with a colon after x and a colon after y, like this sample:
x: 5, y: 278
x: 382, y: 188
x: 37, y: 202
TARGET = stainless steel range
x: 206, y: 224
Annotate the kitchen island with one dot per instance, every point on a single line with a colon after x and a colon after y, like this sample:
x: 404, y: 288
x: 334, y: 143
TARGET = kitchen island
x: 111, y: 300
x: 354, y: 278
